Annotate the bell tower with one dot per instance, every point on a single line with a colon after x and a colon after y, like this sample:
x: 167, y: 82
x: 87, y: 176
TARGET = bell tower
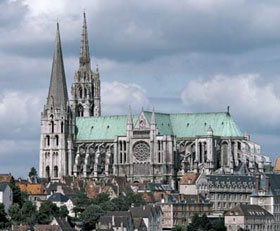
x: 86, y: 87
x: 56, y: 148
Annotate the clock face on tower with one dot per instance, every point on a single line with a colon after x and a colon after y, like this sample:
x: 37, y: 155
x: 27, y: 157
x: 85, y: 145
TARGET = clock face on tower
x: 141, y: 151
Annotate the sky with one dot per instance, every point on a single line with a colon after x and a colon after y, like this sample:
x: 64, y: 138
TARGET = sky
x: 173, y: 55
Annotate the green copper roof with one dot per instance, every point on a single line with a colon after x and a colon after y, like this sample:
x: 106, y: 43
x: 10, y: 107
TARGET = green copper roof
x: 180, y: 125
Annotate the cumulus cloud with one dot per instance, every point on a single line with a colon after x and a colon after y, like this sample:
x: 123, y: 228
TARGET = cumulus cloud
x: 18, y: 111
x: 116, y: 97
x: 253, y: 102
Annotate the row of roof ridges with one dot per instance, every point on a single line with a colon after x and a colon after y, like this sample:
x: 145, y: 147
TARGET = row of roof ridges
x: 161, y: 113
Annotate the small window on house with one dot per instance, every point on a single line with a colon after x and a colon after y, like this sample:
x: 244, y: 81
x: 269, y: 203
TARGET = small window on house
x: 61, y: 126
x: 56, y: 140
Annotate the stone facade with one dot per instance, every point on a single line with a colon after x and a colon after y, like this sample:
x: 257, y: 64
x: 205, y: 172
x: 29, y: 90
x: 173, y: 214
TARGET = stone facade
x: 77, y: 140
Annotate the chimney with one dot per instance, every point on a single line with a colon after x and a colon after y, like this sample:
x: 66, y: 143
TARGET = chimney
x: 113, y: 220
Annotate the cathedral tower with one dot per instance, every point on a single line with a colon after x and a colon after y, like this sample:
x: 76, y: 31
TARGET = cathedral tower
x: 56, y: 123
x: 86, y: 87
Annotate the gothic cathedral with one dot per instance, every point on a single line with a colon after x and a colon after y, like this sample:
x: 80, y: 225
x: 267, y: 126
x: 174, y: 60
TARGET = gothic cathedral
x: 76, y: 140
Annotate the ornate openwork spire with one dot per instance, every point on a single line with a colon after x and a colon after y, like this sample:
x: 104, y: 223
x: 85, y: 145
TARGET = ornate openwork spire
x: 57, y: 96
x: 84, y: 56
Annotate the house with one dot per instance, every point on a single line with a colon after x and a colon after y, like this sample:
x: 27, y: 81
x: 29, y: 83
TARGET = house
x: 178, y: 209
x: 36, y: 191
x: 62, y: 223
x: 267, y: 195
x: 187, y: 184
x: 151, y: 214
x: 6, y: 195
x: 5, y: 178
x: 249, y: 217
x: 60, y: 199
x: 116, y: 220
x: 226, y: 191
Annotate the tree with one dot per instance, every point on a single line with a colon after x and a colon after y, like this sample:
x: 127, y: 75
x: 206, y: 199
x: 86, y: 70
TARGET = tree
x: 46, y: 211
x: 120, y: 203
x: 63, y: 211
x: 135, y: 198
x: 3, y: 217
x: 90, y: 216
x: 200, y: 223
x: 18, y: 196
x: 100, y: 198
x: 219, y: 225
x: 32, y: 172
x: 29, y: 213
x: 14, y: 214
x: 81, y: 202
x: 179, y: 228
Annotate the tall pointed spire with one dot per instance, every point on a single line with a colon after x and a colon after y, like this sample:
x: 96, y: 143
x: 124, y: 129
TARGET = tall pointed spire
x: 84, y: 56
x: 153, y: 119
x: 57, y: 96
x: 129, y: 118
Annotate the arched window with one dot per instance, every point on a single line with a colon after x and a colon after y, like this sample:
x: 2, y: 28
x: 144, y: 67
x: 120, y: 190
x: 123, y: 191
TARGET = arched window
x: 52, y: 126
x: 56, y: 140
x: 81, y: 93
x: 47, y: 140
x: 80, y: 111
x: 55, y: 171
x: 85, y: 93
x: 224, y: 153
x: 61, y: 126
x: 47, y: 171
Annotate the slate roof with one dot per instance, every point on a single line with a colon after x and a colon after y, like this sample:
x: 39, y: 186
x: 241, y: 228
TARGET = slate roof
x: 63, y: 224
x: 3, y: 186
x: 120, y: 218
x: 249, y: 211
x: 184, y: 125
x: 58, y: 90
x: 58, y: 197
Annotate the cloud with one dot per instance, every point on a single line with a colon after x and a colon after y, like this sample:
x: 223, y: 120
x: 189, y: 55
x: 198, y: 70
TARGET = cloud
x: 116, y: 97
x: 19, y: 110
x: 253, y: 102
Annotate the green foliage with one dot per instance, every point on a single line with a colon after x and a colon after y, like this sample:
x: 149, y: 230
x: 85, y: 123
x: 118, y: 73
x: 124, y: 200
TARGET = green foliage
x: 29, y: 213
x: 14, y: 214
x: 204, y: 224
x: 18, y: 197
x: 3, y: 217
x: 91, y: 216
x: 100, y: 198
x: 200, y: 223
x: 179, y: 228
x: 81, y: 202
x: 32, y: 172
x: 219, y: 225
x: 46, y: 212
x: 135, y: 198
x: 63, y: 211
x: 120, y: 203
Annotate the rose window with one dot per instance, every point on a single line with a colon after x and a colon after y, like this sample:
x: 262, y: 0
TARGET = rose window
x: 141, y: 151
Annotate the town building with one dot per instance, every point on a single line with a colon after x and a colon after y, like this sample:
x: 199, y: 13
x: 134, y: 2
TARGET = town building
x: 249, y: 217
x: 267, y: 195
x: 226, y: 191
x: 6, y: 195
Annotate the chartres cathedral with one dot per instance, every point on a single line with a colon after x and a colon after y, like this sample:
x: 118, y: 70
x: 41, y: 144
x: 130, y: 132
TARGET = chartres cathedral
x: 77, y: 140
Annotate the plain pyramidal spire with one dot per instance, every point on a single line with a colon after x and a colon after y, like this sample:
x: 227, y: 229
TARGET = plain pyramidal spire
x: 57, y: 96
x: 84, y: 56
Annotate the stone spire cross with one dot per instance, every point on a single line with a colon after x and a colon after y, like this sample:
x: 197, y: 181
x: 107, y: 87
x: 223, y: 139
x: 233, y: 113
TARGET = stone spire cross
x: 58, y: 95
